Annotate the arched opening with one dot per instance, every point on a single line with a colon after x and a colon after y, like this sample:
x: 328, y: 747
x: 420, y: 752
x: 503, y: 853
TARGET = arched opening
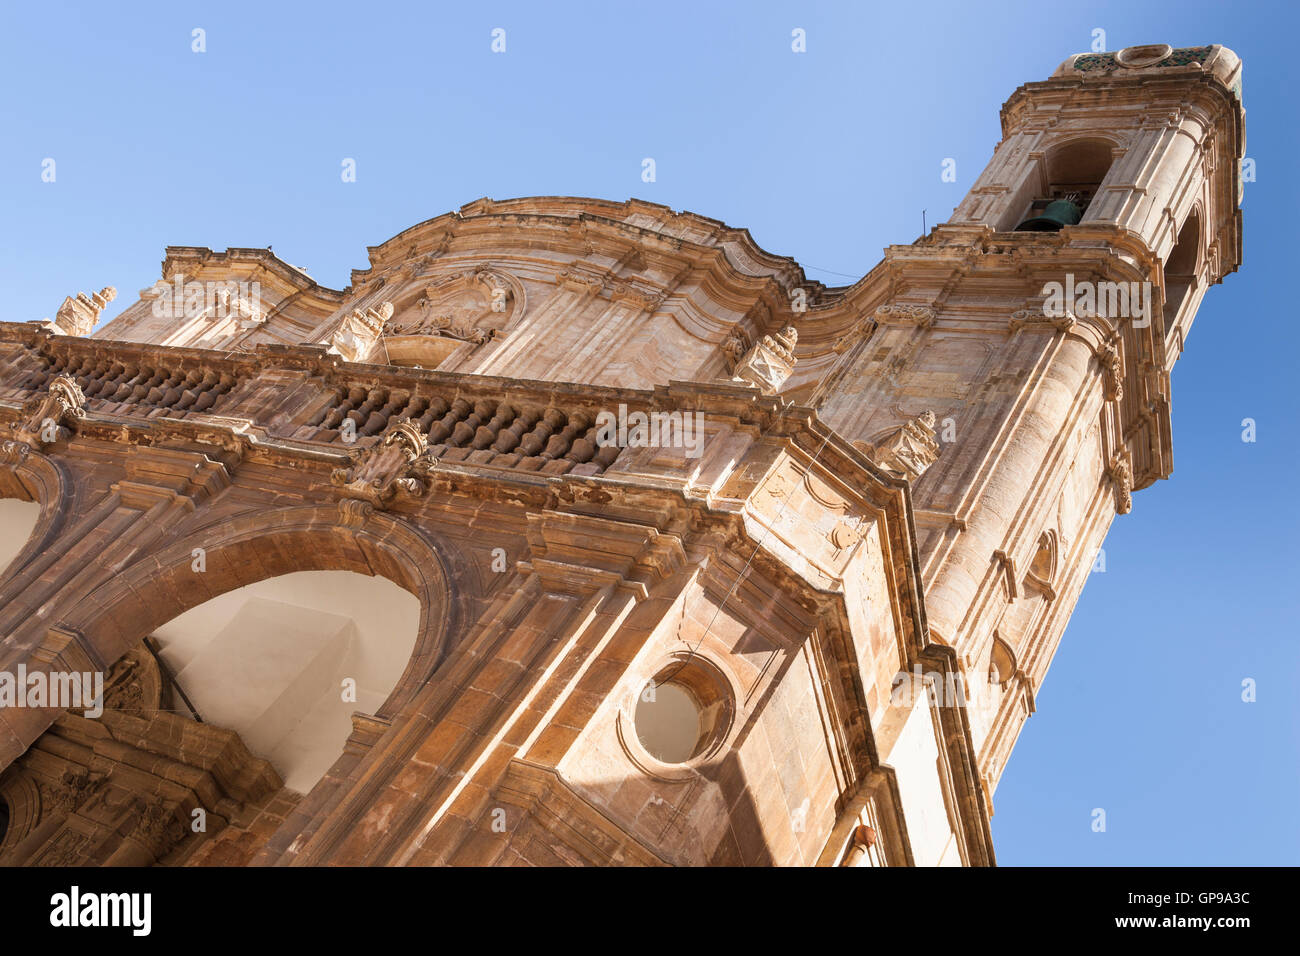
x: 1181, y: 272
x: 18, y: 520
x: 1068, y: 179
x: 1042, y: 570
x: 284, y: 662
x: 683, y: 712
x: 121, y: 613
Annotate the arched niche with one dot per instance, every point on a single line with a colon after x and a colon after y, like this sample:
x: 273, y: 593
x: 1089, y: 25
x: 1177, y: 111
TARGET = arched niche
x: 18, y: 521
x: 1002, y: 662
x: 1181, y: 275
x: 1042, y: 569
x: 285, y: 661
x: 251, y: 548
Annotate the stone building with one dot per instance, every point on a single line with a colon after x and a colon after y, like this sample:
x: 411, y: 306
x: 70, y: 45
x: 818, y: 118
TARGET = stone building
x: 585, y: 532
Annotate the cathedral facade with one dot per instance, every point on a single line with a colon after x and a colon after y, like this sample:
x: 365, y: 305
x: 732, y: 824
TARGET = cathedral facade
x: 586, y: 532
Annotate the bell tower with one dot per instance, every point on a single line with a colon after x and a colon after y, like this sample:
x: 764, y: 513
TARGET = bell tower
x: 1039, y: 326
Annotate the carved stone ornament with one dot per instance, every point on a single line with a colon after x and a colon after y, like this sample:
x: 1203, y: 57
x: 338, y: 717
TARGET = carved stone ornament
x: 399, y: 463
x: 1113, y: 371
x: 769, y: 363
x: 853, y: 335
x: 465, y: 306
x: 1035, y: 319
x: 636, y: 295
x: 1121, y: 473
x: 910, y: 449
x: 157, y: 826
x: 359, y: 332
x: 79, y: 313
x: 734, y: 347
x: 922, y: 316
x: 44, y: 417
x: 75, y: 787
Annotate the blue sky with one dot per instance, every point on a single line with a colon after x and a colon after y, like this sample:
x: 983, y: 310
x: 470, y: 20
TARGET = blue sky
x: 827, y: 156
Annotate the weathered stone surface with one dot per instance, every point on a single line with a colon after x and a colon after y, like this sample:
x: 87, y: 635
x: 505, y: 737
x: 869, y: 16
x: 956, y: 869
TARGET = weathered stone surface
x: 616, y: 450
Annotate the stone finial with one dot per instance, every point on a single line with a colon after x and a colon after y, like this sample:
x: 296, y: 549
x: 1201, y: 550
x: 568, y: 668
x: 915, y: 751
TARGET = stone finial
x: 769, y: 363
x: 908, y: 450
x: 359, y: 331
x: 78, y: 314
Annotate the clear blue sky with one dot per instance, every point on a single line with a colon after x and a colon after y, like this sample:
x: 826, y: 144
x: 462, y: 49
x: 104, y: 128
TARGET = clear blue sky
x: 826, y: 156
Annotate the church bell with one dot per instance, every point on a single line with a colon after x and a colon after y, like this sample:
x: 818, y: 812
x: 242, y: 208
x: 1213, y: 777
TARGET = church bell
x: 1061, y: 212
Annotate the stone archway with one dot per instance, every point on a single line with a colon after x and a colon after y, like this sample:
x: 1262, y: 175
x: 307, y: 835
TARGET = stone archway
x: 250, y: 548
x: 31, y: 477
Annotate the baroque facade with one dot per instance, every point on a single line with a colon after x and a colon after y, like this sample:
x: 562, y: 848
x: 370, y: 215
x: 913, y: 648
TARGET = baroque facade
x: 706, y: 563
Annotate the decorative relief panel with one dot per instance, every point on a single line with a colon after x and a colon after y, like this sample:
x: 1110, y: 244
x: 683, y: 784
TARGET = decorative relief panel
x: 471, y: 307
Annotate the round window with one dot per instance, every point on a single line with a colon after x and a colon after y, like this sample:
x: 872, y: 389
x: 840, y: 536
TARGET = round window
x: 683, y: 712
x: 667, y: 722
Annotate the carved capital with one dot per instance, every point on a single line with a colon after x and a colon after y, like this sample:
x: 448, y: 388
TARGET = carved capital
x: 74, y: 787
x: 734, y: 347
x: 14, y: 453
x: 158, y: 827
x: 921, y: 316
x: 1036, y: 320
x: 580, y: 280
x: 647, y: 300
